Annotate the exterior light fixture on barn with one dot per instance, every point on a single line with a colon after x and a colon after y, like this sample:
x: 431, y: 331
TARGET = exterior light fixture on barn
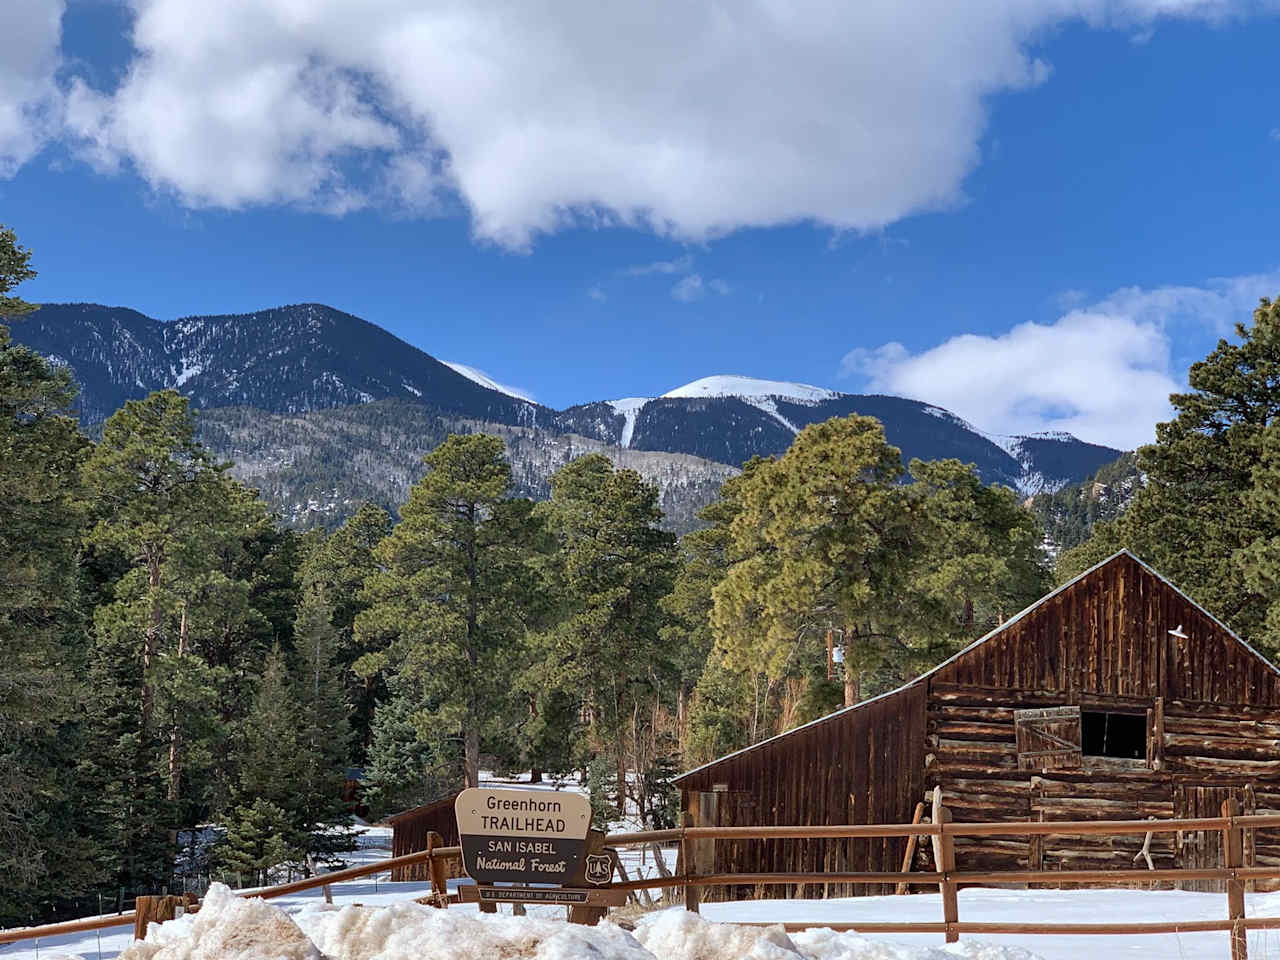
x: 1114, y: 697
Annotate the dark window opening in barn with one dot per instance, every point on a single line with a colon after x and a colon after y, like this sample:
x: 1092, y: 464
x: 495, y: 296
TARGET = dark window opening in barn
x: 1122, y: 735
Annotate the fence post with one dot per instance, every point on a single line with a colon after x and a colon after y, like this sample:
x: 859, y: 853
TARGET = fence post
x: 911, y: 849
x: 947, y: 865
x: 1233, y: 859
x: 688, y: 850
x: 436, y: 868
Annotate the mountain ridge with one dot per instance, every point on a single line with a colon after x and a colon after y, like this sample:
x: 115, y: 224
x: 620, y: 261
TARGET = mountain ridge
x: 306, y: 358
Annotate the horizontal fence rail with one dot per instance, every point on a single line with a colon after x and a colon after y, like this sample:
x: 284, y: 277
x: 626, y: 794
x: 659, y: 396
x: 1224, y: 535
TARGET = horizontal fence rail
x: 697, y: 874
x: 264, y: 893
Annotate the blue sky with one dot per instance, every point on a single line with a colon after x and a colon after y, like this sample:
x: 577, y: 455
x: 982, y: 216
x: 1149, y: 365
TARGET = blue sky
x: 1034, y: 218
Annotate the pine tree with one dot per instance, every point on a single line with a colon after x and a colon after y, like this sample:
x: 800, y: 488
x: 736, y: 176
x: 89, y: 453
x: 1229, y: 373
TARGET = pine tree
x: 830, y: 541
x: 615, y: 564
x: 172, y: 526
x: 404, y: 769
x: 340, y: 565
x: 452, y: 594
x: 15, y: 268
x: 47, y: 840
x: 257, y: 839
x: 325, y: 730
x: 1197, y: 519
x: 271, y: 760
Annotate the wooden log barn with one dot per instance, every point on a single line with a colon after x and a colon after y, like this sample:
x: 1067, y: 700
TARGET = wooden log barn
x: 1114, y: 697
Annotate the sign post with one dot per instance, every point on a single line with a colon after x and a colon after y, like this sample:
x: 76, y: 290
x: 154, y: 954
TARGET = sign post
x: 535, y: 843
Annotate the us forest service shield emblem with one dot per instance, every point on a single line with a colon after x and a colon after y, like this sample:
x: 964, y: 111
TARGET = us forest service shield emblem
x: 599, y: 869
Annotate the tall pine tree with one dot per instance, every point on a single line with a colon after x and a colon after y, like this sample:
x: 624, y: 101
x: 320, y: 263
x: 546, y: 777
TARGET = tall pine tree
x: 1196, y: 519
x: 452, y: 595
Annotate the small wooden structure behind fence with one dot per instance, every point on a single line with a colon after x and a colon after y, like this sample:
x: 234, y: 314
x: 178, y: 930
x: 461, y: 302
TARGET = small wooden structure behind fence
x: 410, y: 830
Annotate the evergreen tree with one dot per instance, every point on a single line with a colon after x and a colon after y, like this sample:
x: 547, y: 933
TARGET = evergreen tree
x: 452, y: 594
x: 829, y: 540
x: 615, y: 564
x: 15, y: 268
x: 271, y: 758
x: 325, y: 728
x: 46, y: 829
x: 1197, y: 519
x: 340, y: 565
x: 404, y: 769
x: 173, y: 522
x: 256, y: 840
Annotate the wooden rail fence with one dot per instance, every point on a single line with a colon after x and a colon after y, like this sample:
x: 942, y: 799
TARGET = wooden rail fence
x: 697, y: 846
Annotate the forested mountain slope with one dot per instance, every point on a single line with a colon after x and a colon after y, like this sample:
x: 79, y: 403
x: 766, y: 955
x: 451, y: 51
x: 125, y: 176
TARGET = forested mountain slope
x: 316, y: 468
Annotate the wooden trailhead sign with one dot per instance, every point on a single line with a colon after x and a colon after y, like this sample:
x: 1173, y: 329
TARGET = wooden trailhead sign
x: 522, y: 836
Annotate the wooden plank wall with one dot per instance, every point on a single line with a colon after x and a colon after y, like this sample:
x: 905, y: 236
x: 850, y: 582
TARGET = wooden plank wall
x: 860, y: 766
x: 1108, y: 635
x: 409, y: 835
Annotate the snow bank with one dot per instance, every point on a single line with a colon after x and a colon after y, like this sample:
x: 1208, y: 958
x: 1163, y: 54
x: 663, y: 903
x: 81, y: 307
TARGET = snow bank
x: 230, y: 928
x: 409, y: 931
x: 226, y: 928
x: 680, y: 935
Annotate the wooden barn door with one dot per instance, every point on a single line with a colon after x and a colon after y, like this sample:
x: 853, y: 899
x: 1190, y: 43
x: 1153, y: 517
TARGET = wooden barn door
x: 1048, y: 738
x: 1203, y: 849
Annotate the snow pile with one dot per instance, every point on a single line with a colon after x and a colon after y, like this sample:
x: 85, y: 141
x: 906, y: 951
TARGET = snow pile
x: 680, y: 935
x: 226, y: 928
x: 230, y: 928
x: 409, y: 931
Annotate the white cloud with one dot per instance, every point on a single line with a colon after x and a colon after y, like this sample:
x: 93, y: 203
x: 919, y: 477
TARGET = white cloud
x: 29, y: 98
x: 692, y: 287
x: 597, y: 294
x: 689, y: 288
x: 1102, y: 372
x: 678, y: 265
x: 690, y: 119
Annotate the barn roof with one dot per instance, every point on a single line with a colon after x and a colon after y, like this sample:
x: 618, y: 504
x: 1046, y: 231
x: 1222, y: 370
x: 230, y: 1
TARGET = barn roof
x: 420, y: 811
x: 981, y: 640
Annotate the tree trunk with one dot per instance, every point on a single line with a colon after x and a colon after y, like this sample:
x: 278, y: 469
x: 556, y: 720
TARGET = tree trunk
x: 150, y: 638
x: 471, y: 757
x: 535, y: 775
x: 850, y: 675
x: 175, y: 732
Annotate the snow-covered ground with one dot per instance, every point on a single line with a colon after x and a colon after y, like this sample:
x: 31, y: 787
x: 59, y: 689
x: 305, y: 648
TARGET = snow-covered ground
x: 232, y: 928
x: 387, y: 926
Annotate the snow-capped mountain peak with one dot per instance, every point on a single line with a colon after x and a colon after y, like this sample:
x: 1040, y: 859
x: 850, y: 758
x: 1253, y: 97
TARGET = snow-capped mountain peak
x: 750, y: 388
x: 482, y: 378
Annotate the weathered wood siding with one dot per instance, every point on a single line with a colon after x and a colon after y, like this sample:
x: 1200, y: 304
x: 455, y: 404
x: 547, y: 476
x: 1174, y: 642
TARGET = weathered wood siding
x: 409, y: 835
x: 864, y: 765
x: 1107, y: 635
x: 1103, y: 643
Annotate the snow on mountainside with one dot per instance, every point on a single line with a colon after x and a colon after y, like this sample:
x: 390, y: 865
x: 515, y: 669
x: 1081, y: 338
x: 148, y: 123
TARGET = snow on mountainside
x: 723, y: 385
x: 732, y: 418
x: 482, y: 378
x: 286, y: 359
